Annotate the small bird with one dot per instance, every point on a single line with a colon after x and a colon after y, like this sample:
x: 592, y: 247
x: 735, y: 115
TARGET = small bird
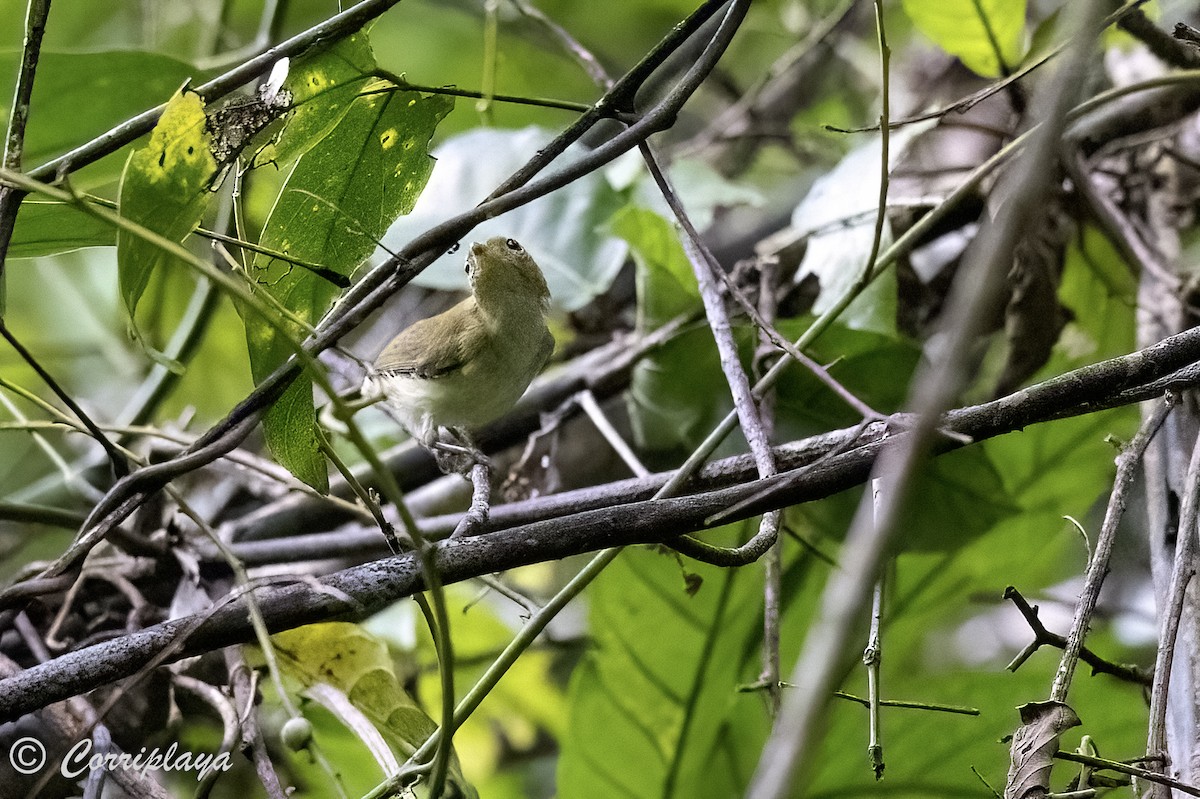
x: 469, y: 365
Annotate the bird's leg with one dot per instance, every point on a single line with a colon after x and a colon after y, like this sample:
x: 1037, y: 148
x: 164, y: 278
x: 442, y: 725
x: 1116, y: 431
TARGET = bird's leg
x: 475, y: 466
x: 455, y: 452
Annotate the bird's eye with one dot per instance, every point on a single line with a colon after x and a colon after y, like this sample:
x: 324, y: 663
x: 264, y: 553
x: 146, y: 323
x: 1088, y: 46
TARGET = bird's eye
x: 467, y: 266
x: 453, y: 249
x: 513, y: 245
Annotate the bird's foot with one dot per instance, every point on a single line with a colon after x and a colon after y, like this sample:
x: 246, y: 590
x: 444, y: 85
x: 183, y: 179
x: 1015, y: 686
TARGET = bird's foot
x: 455, y: 453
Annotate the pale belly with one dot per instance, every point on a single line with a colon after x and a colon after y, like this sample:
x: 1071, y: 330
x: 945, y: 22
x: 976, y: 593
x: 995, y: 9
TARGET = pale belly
x: 482, y: 391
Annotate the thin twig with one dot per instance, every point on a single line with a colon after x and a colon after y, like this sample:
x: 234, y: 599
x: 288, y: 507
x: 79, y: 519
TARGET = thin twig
x: 325, y: 273
x: 1182, y: 571
x: 770, y: 677
x: 1125, y: 768
x: 705, y: 267
x: 777, y: 339
x: 119, y: 465
x: 40, y: 514
x: 1116, y: 226
x: 587, y: 401
x: 70, y: 476
x: 899, y: 703
x: 499, y: 667
x: 591, y: 65
x: 1127, y: 462
x: 762, y: 99
x: 872, y: 656
x: 933, y: 390
x: 1043, y: 637
x: 404, y: 85
x: 18, y: 117
x: 244, y: 689
x: 476, y: 516
x: 971, y: 100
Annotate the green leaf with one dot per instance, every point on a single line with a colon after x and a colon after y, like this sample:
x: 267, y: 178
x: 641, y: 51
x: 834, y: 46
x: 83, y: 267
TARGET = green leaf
x: 563, y: 230
x: 359, y: 666
x: 678, y: 393
x: 49, y: 228
x: 955, y: 498
x: 78, y: 96
x: 1101, y: 293
x: 340, y: 197
x: 653, y: 697
x: 165, y: 188
x: 528, y: 705
x: 986, y: 35
x: 876, y: 368
x: 348, y: 657
x: 666, y: 284
x: 323, y: 86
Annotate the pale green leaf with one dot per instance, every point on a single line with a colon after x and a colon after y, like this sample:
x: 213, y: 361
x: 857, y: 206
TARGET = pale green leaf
x: 351, y: 661
x: 838, y: 217
x: 563, y: 230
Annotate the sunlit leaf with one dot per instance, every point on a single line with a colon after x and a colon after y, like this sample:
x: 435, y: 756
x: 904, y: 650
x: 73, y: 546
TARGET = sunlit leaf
x: 986, y: 35
x: 165, y: 188
x: 358, y: 666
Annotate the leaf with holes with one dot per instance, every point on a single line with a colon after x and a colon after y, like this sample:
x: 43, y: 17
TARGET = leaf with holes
x: 323, y: 85
x: 165, y: 188
x: 339, y: 199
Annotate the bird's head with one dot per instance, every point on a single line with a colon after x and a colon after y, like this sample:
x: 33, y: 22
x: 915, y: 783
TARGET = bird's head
x: 503, y: 273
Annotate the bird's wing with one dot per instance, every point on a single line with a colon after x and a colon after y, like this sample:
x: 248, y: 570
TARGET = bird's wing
x: 429, y: 349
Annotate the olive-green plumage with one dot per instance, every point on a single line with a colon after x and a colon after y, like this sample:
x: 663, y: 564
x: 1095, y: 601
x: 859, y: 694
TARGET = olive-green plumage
x: 467, y: 366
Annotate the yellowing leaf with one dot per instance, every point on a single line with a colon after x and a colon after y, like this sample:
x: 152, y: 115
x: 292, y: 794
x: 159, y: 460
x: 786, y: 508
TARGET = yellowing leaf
x: 356, y: 664
x: 165, y: 188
